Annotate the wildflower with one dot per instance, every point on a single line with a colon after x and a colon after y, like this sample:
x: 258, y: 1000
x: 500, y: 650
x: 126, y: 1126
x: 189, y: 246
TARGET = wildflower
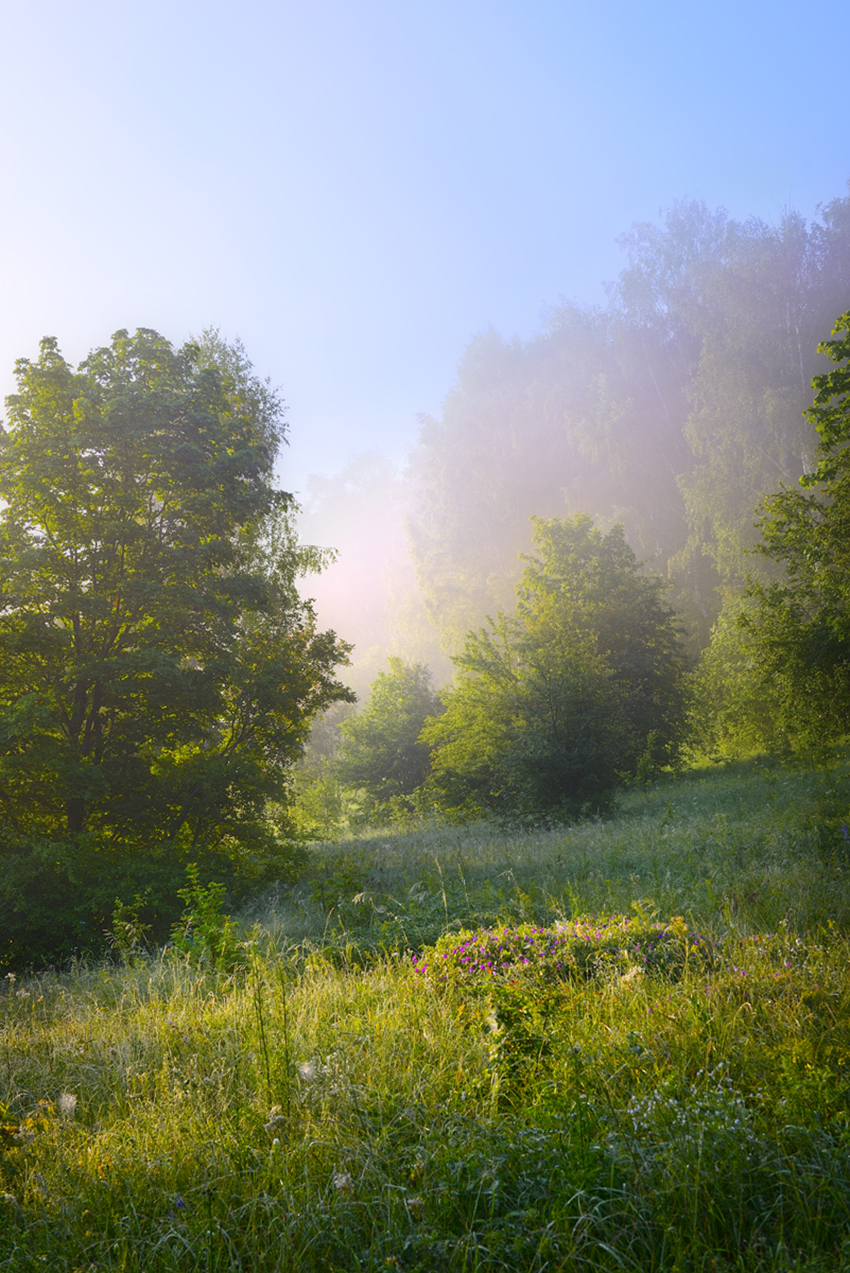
x: 342, y: 1181
x: 67, y: 1104
x: 307, y: 1071
x: 275, y: 1119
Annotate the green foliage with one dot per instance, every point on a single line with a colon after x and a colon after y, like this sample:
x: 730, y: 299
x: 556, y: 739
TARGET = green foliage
x: 525, y: 975
x: 587, y: 946
x: 730, y: 710
x: 381, y: 753
x: 554, y: 703
x: 158, y: 673
x: 801, y: 628
x: 750, y: 845
x: 764, y: 311
x: 128, y: 934
x: 530, y: 729
x: 202, y: 931
x: 319, y: 804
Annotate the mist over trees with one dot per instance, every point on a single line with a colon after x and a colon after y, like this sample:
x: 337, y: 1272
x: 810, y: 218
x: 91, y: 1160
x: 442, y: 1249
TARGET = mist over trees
x: 599, y: 556
x: 382, y: 755
x: 368, y: 589
x: 799, y: 626
x: 555, y: 703
x: 673, y: 411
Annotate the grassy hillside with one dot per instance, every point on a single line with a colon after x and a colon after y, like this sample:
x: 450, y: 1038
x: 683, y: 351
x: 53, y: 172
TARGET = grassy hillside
x: 630, y: 1049
x: 752, y: 845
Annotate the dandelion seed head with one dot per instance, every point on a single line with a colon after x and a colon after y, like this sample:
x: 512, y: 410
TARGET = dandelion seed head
x: 67, y: 1104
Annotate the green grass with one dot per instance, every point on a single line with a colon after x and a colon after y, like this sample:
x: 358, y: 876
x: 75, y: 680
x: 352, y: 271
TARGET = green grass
x: 332, y: 1106
x: 749, y: 846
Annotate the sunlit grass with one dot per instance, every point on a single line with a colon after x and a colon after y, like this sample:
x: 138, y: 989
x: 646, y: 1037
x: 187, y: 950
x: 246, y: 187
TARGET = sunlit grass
x: 332, y: 1107
x: 746, y: 848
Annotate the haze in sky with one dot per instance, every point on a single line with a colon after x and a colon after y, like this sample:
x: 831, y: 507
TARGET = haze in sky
x: 356, y: 189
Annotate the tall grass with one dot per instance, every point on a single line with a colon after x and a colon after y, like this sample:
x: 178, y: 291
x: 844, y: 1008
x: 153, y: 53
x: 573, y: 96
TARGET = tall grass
x: 327, y: 1106
x: 747, y: 847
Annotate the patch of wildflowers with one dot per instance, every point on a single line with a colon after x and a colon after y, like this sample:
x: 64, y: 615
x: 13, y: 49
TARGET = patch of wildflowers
x: 581, y: 948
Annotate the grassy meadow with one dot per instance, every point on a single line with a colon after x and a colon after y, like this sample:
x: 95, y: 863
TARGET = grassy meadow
x: 619, y: 1046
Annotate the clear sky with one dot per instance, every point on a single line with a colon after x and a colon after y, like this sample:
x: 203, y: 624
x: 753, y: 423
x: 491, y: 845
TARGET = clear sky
x: 356, y: 187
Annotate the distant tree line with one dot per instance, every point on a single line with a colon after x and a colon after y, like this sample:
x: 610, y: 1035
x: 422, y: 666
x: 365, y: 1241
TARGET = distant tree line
x: 672, y: 411
x: 680, y: 411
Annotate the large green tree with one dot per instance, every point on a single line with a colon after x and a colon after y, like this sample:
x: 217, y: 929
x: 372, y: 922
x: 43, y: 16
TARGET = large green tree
x: 553, y: 704
x: 158, y: 673
x: 800, y: 633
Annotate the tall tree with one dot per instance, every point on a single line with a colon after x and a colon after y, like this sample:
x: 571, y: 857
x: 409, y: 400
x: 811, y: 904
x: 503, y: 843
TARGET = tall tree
x: 157, y: 672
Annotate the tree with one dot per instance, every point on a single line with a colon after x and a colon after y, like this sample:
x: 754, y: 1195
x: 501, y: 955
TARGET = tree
x: 158, y: 673
x: 553, y: 704
x: 381, y: 753
x: 801, y: 629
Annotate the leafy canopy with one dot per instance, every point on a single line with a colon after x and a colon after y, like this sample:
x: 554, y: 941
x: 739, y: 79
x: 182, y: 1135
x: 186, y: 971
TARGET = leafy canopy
x: 158, y: 672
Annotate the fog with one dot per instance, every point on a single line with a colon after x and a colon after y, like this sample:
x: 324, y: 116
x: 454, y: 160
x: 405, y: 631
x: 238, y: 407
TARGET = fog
x: 673, y: 409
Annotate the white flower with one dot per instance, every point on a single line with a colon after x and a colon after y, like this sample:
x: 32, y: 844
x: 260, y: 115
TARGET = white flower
x: 342, y: 1182
x: 67, y: 1104
x: 307, y: 1071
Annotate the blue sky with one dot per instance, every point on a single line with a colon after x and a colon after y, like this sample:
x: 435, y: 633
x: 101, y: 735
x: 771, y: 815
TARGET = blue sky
x: 357, y: 188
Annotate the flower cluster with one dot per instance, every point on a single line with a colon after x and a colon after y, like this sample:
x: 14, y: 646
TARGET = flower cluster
x: 580, y: 948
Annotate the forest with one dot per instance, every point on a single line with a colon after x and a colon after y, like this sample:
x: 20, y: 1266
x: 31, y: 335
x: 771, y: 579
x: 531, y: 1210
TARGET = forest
x: 683, y: 413
x: 477, y: 904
